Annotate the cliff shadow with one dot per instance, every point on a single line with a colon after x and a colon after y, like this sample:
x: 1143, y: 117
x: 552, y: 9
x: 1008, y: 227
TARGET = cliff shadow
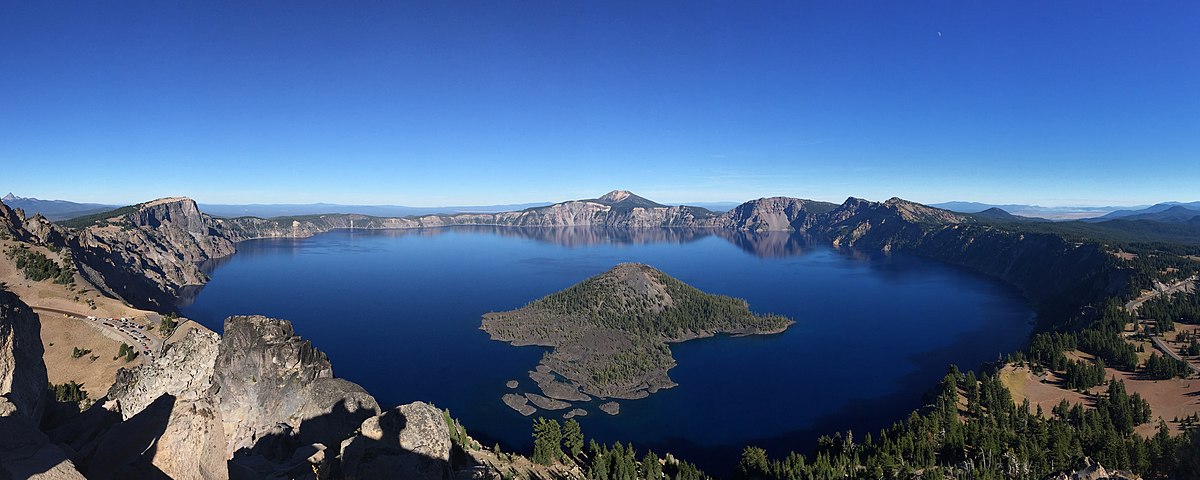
x: 126, y: 449
x: 289, y: 453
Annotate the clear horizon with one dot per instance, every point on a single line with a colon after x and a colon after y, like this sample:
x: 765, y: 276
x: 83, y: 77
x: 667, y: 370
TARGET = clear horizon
x: 1066, y: 104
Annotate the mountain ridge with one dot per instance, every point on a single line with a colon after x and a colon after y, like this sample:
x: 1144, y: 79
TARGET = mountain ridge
x: 148, y: 254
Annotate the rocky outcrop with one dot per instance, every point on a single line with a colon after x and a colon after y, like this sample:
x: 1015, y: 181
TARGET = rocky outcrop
x: 276, y: 388
x: 260, y: 395
x: 35, y: 229
x: 1094, y: 471
x: 22, y: 372
x: 184, y: 371
x: 25, y: 452
x: 169, y: 437
x: 410, y: 441
x: 146, y: 253
x: 775, y: 214
x: 167, y: 419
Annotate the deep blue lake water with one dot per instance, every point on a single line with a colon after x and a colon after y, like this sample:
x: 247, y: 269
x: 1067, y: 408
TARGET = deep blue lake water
x: 399, y: 313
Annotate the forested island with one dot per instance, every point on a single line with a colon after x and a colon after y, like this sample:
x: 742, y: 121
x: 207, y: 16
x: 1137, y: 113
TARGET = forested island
x: 610, y: 333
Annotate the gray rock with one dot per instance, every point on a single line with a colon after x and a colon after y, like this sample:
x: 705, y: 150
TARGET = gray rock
x: 546, y: 403
x: 184, y: 370
x: 511, y: 384
x: 276, y: 389
x: 22, y: 372
x: 518, y: 403
x: 410, y: 441
x: 181, y: 439
x: 575, y: 412
x: 611, y: 408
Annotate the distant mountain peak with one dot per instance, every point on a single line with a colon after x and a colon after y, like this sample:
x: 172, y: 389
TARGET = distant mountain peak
x: 10, y: 197
x: 617, y: 196
x: 625, y: 198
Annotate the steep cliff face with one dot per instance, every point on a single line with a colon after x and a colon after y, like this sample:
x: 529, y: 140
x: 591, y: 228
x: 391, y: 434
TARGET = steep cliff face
x: 25, y: 452
x: 774, y: 214
x: 274, y: 384
x: 147, y: 254
x: 22, y: 372
x: 1047, y: 268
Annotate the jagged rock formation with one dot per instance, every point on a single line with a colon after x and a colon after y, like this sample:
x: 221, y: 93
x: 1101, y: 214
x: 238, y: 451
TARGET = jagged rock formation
x: 22, y: 372
x: 610, y: 332
x: 410, y: 441
x: 257, y: 403
x: 273, y: 384
x: 35, y: 229
x: 184, y: 371
x: 176, y: 439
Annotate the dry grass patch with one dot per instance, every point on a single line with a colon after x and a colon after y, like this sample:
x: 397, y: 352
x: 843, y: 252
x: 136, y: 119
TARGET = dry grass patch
x: 1043, y: 391
x: 61, y: 335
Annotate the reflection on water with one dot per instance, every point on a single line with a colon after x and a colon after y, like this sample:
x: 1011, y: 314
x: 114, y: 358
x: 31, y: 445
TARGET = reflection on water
x: 759, y: 244
x: 398, y: 311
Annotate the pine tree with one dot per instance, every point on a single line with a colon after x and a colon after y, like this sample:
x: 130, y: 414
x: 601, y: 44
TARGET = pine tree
x: 573, y: 438
x: 547, y: 441
x: 651, y: 469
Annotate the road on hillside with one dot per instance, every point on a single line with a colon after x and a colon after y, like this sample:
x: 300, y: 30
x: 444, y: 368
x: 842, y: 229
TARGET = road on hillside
x: 1182, y: 285
x: 147, y: 344
x: 1162, y: 346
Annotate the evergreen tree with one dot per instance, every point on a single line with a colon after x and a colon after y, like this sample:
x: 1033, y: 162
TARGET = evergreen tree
x: 651, y: 468
x: 547, y: 441
x: 572, y: 438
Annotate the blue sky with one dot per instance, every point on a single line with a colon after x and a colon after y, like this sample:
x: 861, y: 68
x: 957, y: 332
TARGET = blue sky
x: 481, y: 102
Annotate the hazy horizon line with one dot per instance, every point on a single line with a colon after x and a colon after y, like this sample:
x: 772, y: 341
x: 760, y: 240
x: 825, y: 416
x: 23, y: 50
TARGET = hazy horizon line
x: 1033, y: 204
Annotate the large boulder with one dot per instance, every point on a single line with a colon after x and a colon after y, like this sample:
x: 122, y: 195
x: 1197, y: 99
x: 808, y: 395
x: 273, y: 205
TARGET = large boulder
x: 410, y: 441
x: 22, y: 372
x: 278, y: 392
x: 168, y: 438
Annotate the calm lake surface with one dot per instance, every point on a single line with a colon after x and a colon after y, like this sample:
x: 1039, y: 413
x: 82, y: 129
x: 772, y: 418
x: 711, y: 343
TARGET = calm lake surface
x: 399, y: 312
